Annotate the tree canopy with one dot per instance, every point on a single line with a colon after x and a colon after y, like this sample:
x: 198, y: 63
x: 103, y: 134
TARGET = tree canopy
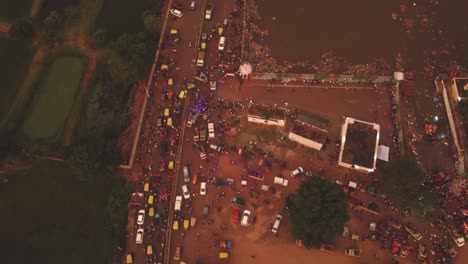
x: 318, y: 211
x: 21, y: 29
x: 403, y: 185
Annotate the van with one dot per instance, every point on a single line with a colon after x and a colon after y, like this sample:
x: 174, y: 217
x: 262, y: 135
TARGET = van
x: 186, y: 174
x: 216, y: 148
x: 211, y: 132
x: 222, y: 43
x: 280, y: 181
x: 192, y: 5
x: 178, y: 203
x: 276, y: 224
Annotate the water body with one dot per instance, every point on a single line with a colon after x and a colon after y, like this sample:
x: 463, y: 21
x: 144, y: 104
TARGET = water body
x: 359, y: 30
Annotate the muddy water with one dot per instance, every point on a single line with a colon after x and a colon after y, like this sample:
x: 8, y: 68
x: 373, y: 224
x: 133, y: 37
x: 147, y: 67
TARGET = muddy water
x: 362, y: 30
x: 359, y: 30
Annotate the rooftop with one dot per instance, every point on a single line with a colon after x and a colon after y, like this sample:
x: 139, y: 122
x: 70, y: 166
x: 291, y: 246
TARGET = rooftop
x: 309, y: 131
x: 360, y: 143
x: 267, y: 112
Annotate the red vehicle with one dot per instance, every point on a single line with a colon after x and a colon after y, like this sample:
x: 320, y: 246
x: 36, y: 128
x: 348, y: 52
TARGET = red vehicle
x: 194, y: 178
x: 235, y: 216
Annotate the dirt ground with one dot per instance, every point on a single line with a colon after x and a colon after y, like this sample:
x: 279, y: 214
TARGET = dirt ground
x: 256, y: 239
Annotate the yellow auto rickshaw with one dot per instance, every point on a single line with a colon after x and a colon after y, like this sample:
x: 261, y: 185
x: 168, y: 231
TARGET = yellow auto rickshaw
x: 151, y: 211
x: 190, y: 85
x: 182, y: 95
x: 170, y: 81
x: 169, y: 122
x: 151, y: 199
x: 203, y: 45
x: 220, y: 31
x: 166, y: 112
x: 146, y: 187
x: 223, y: 255
x: 164, y: 67
x: 170, y: 165
x: 175, y: 225
x: 129, y: 259
x: 186, y: 224
x: 149, y: 250
x: 193, y: 221
x: 173, y: 31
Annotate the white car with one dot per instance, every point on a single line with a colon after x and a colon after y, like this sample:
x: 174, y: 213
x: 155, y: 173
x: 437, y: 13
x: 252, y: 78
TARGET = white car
x: 141, y: 217
x: 222, y: 43
x: 213, y: 85
x: 185, y: 191
x: 276, y: 224
x: 297, y: 171
x: 139, y: 236
x: 203, y: 188
x: 176, y: 12
x: 245, y: 218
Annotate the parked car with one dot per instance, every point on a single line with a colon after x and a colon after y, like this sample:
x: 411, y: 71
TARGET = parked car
x: 238, y: 201
x: 297, y: 172
x: 178, y: 252
x: 276, y: 224
x: 245, y: 218
x: 139, y: 235
x: 235, y: 216
x: 353, y: 252
x: 185, y: 191
x: 213, y: 85
x: 178, y: 203
x: 327, y: 247
x: 222, y: 43
x: 203, y: 188
x: 209, y: 10
x: 141, y: 217
x: 176, y: 12
x: 422, y: 252
x: 457, y: 238
x: 413, y: 232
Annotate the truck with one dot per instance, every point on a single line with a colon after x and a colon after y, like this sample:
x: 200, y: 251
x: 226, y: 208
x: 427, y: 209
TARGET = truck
x: 353, y: 252
x: 457, y: 238
x: 238, y: 201
x: 196, y: 135
x: 209, y: 11
x: 224, y: 243
x: 200, y: 59
x: 202, y: 133
x: 178, y: 203
x: 202, y: 152
x: 280, y: 181
x: 211, y: 132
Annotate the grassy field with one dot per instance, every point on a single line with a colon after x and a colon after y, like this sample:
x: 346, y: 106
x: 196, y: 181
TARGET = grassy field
x: 119, y: 16
x: 13, y: 9
x: 55, y: 217
x: 14, y: 60
x: 51, y: 5
x: 55, y: 97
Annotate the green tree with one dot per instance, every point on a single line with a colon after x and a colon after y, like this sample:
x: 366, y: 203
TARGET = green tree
x: 117, y: 210
x: 51, y: 26
x: 318, y: 211
x: 151, y: 20
x: 21, y: 29
x: 71, y: 13
x: 402, y: 180
x: 403, y: 184
x: 93, y: 156
x: 99, y: 38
